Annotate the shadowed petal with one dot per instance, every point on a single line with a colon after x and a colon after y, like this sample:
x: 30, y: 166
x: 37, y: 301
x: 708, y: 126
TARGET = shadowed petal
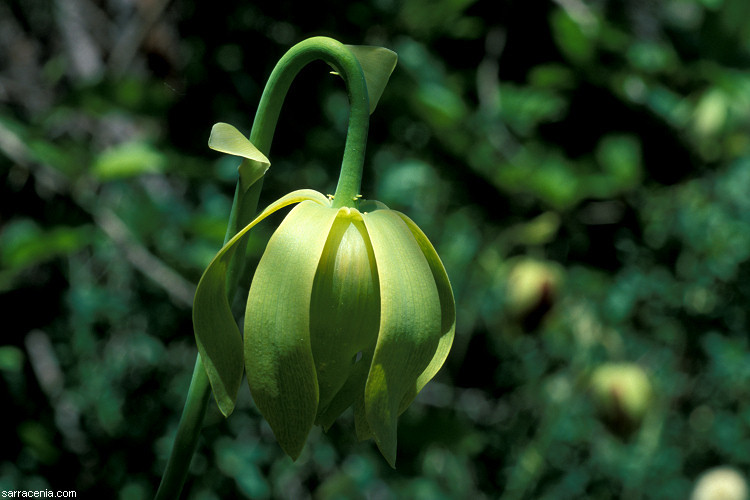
x: 216, y: 333
x: 345, y: 306
x: 278, y: 355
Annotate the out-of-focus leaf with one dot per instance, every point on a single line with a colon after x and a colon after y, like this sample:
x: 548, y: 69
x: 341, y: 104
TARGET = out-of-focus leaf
x: 23, y: 243
x: 128, y: 160
x: 620, y: 156
x: 39, y: 441
x: 710, y: 113
x: 11, y: 358
x: 523, y: 108
x: 651, y: 57
x: 442, y: 106
x: 572, y: 37
x: 552, y: 76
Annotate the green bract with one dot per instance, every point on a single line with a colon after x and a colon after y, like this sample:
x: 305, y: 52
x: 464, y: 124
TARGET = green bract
x: 346, y: 307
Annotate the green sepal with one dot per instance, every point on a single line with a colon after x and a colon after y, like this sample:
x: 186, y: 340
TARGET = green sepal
x: 377, y: 65
x: 225, y: 138
x: 216, y: 333
x: 278, y: 354
x: 410, y: 325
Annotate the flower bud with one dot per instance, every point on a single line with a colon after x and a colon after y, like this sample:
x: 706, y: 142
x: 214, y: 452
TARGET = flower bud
x: 345, y: 308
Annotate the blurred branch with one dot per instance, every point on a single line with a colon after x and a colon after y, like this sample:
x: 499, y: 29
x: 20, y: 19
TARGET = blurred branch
x: 46, y: 367
x: 21, y: 59
x: 488, y: 77
x: 133, y: 35
x: 14, y: 148
x: 84, y: 55
x: 178, y: 288
x: 490, y: 97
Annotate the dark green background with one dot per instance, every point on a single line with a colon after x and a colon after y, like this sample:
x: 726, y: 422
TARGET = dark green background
x: 606, y: 138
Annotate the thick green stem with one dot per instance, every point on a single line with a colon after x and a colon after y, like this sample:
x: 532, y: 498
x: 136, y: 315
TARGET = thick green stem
x: 346, y: 65
x: 187, y: 434
x: 188, y: 430
x: 245, y: 204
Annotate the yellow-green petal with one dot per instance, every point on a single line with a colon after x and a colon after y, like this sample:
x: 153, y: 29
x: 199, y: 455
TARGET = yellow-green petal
x: 410, y: 324
x: 371, y: 205
x: 447, y: 309
x: 345, y: 305
x: 351, y: 393
x: 216, y: 333
x: 278, y: 355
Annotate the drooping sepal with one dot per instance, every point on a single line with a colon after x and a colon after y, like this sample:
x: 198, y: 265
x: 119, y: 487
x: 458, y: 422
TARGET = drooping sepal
x: 216, y: 333
x: 278, y: 355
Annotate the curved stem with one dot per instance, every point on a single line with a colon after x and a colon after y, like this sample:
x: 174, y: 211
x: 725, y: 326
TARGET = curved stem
x: 347, y: 65
x: 199, y: 392
x: 188, y: 431
x: 245, y: 204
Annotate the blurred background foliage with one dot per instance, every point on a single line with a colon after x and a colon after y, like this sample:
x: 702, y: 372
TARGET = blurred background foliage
x: 582, y: 167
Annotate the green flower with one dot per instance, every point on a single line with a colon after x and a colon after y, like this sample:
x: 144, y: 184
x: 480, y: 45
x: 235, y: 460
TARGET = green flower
x: 348, y: 306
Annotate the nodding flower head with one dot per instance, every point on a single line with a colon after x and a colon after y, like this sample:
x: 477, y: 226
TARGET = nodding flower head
x: 346, y: 307
x: 350, y: 304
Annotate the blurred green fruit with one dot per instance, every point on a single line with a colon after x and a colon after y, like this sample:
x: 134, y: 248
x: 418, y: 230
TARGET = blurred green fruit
x: 532, y: 290
x: 622, y: 395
